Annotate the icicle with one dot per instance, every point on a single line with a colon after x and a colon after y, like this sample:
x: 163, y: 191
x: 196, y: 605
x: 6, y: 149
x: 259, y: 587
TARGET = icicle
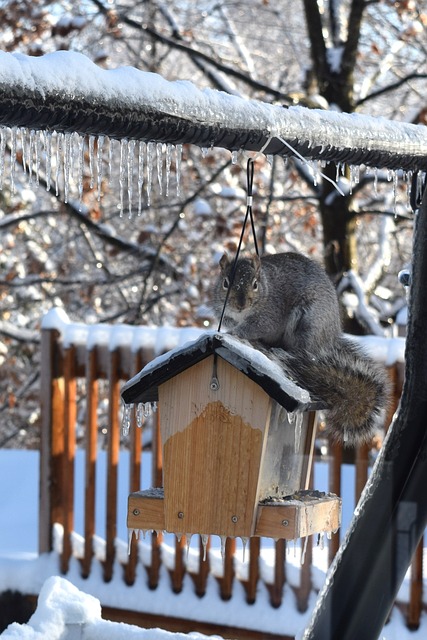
x: 376, y: 181
x: 30, y: 157
x: 92, y: 160
x: 244, y: 543
x: 304, y: 550
x: 67, y: 164
x: 38, y: 155
x: 81, y: 166
x: 2, y: 153
x: 223, y: 543
x: 59, y: 144
x: 130, y: 532
x: 419, y: 189
x: 395, y: 189
x: 100, y: 166
x: 408, y: 179
x: 234, y: 157
x: 205, y: 539
x: 126, y: 419
x: 329, y: 535
x: 337, y: 171
x: 315, y: 172
x: 389, y: 175
x: 110, y: 160
x: 321, y: 540
x: 48, y: 149
x: 168, y: 166
x: 178, y: 537
x: 298, y: 430
x: 205, y: 151
x: 150, y: 152
x: 131, y: 157
x: 140, y: 414
x: 23, y: 131
x: 122, y: 171
x: 141, y: 154
x: 178, y: 155
x: 291, y: 416
x: 159, y: 155
x: 13, y: 160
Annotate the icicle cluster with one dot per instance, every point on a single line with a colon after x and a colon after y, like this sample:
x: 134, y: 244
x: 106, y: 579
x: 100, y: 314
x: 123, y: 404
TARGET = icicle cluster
x: 64, y: 160
x: 143, y: 410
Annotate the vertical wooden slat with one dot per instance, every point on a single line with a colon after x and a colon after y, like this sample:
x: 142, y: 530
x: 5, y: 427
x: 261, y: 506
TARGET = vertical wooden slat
x: 69, y: 453
x: 51, y: 438
x: 416, y: 589
x: 335, y: 461
x: 201, y: 577
x: 361, y: 469
x: 91, y: 438
x: 154, y: 569
x: 305, y: 588
x: 112, y: 462
x: 226, y: 582
x: 276, y: 589
x: 178, y: 572
x: 135, y: 445
x: 252, y: 582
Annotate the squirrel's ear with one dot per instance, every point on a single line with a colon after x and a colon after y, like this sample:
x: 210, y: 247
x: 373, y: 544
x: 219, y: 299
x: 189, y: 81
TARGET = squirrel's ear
x: 224, y: 261
x: 256, y: 260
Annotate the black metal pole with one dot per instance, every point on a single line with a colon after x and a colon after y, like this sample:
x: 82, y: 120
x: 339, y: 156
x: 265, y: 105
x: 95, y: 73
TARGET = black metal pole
x: 392, y: 513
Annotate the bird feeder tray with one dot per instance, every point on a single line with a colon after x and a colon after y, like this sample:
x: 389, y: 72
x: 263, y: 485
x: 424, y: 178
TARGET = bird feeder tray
x: 237, y: 443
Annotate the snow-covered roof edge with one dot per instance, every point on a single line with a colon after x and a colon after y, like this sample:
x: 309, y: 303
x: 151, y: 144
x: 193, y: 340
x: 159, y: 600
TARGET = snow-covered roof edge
x: 263, y: 370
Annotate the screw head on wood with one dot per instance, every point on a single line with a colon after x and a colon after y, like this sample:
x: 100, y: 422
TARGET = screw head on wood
x: 180, y: 515
x: 285, y: 523
x: 234, y: 519
x: 136, y: 512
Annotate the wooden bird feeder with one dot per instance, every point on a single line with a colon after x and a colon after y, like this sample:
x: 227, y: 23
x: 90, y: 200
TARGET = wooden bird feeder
x: 237, y: 442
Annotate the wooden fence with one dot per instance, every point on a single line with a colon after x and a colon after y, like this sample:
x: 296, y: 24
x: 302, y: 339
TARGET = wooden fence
x: 66, y: 365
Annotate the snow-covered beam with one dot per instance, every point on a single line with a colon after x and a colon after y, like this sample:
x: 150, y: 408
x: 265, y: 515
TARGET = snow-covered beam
x: 65, y: 91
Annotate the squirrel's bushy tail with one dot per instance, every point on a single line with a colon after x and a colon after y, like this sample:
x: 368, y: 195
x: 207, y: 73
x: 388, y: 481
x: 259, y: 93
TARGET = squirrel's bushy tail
x: 353, y: 386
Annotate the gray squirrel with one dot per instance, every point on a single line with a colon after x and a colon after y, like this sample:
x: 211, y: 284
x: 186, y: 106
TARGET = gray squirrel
x: 286, y: 306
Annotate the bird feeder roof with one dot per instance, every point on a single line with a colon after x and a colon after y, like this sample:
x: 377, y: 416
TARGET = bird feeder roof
x: 256, y: 365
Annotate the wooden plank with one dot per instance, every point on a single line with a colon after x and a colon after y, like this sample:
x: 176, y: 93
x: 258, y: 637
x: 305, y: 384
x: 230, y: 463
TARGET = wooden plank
x: 416, y: 589
x: 309, y: 450
x: 91, y: 439
x: 335, y: 463
x: 227, y: 579
x: 146, y: 510
x: 182, y: 625
x: 251, y: 585
x: 135, y: 446
x: 51, y: 438
x: 200, y: 578
x: 112, y: 463
x: 178, y: 572
x: 361, y: 468
x: 276, y: 588
x: 70, y: 413
x: 212, y: 446
x: 292, y: 519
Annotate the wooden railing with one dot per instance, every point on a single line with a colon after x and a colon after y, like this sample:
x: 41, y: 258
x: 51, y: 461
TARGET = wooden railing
x: 76, y: 369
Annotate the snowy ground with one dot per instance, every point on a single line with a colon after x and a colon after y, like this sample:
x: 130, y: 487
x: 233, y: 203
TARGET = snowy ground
x: 76, y: 606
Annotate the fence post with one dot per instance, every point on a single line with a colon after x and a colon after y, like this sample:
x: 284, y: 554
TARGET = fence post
x: 52, y: 437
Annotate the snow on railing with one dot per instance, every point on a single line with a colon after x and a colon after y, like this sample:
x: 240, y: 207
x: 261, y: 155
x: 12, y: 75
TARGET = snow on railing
x: 66, y: 92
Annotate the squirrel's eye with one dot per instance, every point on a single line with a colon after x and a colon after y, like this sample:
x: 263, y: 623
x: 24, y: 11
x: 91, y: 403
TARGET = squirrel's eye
x: 255, y: 284
x: 225, y: 283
